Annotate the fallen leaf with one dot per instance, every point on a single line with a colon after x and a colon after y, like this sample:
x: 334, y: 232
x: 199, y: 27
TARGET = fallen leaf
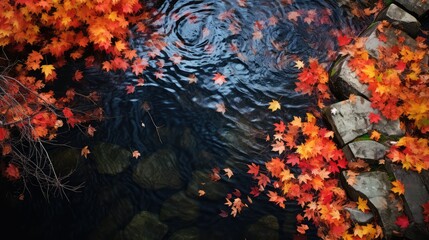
x: 228, y: 172
x: 85, y: 151
x: 274, y: 105
x: 398, y: 187
x: 136, y: 154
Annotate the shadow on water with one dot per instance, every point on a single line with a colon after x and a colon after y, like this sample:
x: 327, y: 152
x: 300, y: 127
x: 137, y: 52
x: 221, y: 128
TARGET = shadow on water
x: 179, y: 130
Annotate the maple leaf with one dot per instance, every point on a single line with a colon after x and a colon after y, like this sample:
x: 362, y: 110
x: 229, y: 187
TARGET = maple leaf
x: 302, y: 228
x: 293, y: 16
x: 253, y: 169
x: 219, y: 78
x: 85, y: 151
x: 398, y: 187
x: 136, y: 154
x: 201, y: 193
x: 299, y: 64
x: 278, y: 146
x: 67, y: 112
x: 375, y: 135
x: 48, y: 70
x: 374, y: 118
x: 274, y: 197
x: 293, y: 159
x: 192, y: 79
x: 220, y: 107
x: 362, y: 204
x: 77, y: 75
x: 4, y: 134
x: 343, y: 40
x: 130, y: 89
x: 12, y: 172
x: 274, y: 105
x: 228, y: 172
x: 402, y: 221
x: 91, y: 130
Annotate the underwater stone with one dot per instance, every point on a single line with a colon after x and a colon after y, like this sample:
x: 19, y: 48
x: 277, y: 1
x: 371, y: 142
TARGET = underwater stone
x: 358, y: 216
x: 400, y: 19
x: 144, y: 226
x: 350, y: 120
x: 186, y: 234
x: 367, y: 149
x: 111, y: 158
x: 343, y: 81
x: 179, y: 206
x: 159, y: 170
x: 375, y: 186
x: 201, y: 181
x: 418, y: 7
x: 266, y: 227
x: 65, y: 160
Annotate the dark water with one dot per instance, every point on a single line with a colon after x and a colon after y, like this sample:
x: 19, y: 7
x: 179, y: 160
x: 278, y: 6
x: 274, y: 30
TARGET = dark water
x: 210, y: 37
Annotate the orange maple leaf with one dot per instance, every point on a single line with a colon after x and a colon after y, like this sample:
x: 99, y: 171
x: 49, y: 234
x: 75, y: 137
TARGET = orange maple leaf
x: 398, y: 187
x: 219, y: 78
x: 85, y: 151
x: 362, y: 204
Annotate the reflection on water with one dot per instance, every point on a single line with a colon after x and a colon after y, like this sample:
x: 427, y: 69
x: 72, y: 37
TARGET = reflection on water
x: 185, y: 125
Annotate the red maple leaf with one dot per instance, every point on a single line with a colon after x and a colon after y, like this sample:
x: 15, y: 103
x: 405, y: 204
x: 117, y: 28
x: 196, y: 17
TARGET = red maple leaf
x: 253, y: 169
x: 402, y: 221
x: 12, y: 172
x: 374, y: 118
x: 130, y: 89
x: 343, y: 40
x: 219, y: 78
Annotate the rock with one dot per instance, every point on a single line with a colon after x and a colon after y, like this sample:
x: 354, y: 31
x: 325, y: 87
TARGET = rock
x: 417, y: 7
x: 188, y: 140
x: 375, y: 186
x: 144, y: 226
x: 415, y: 194
x: 201, y: 180
x: 343, y: 81
x: 179, y: 206
x: 65, y: 160
x: 400, y: 19
x: 358, y: 216
x: 120, y: 214
x: 159, y: 170
x: 186, y: 234
x: 266, y: 228
x: 367, y: 149
x: 110, y: 158
x: 350, y: 120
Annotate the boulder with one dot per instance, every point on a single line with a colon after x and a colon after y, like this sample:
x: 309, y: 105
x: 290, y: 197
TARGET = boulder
x: 375, y: 186
x: 144, y: 226
x: 366, y: 149
x: 159, y: 170
x: 351, y: 119
x: 357, y: 216
x: 201, y: 181
x: 400, y: 19
x: 415, y: 196
x: 188, y: 140
x: 65, y: 160
x: 266, y: 227
x: 186, y: 234
x: 179, y: 206
x: 110, y: 158
x: 416, y: 7
x: 343, y: 81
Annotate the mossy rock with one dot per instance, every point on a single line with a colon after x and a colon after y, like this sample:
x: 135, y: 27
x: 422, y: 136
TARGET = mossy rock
x: 186, y: 234
x: 179, y: 206
x: 144, y: 226
x: 110, y: 158
x: 65, y: 160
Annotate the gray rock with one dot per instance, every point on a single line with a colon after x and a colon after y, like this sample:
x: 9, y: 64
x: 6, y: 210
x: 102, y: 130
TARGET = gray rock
x: 144, y: 226
x: 186, y: 234
x: 266, y: 227
x: 343, y: 81
x: 372, y: 43
x: 110, y: 158
x: 400, y: 19
x: 201, y: 180
x: 159, y: 170
x: 415, y: 194
x: 65, y: 160
x: 351, y: 119
x: 179, y: 206
x: 358, y: 216
x: 417, y: 7
x: 375, y: 186
x: 367, y: 149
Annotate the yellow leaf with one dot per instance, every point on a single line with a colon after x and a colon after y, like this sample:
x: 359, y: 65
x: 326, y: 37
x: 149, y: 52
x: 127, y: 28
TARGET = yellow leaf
x: 274, y: 105
x: 398, y: 187
x: 375, y: 135
x: 362, y: 204
x: 48, y: 69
